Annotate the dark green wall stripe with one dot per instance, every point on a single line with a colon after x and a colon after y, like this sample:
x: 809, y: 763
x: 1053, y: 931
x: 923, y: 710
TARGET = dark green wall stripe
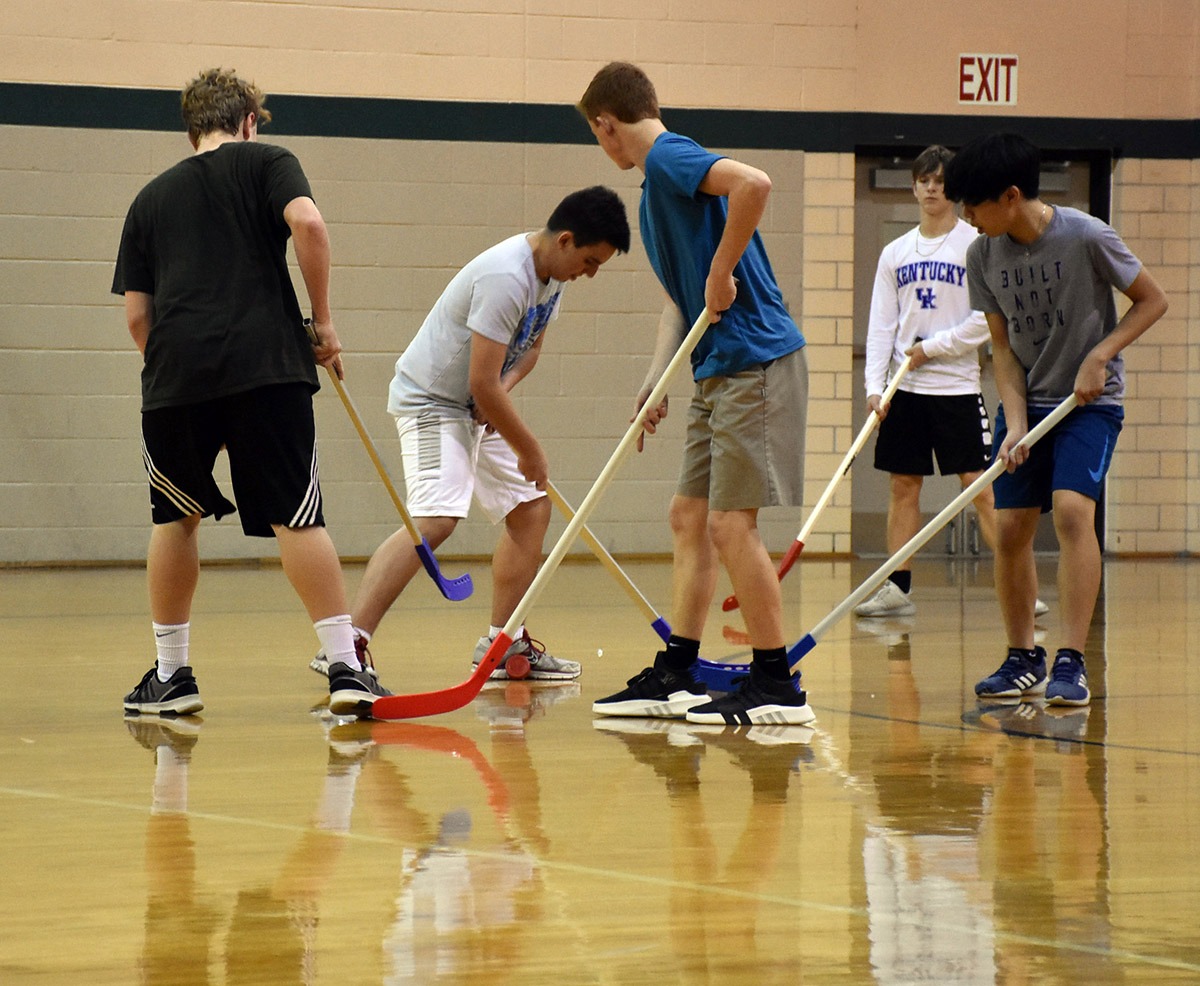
x: 539, y: 123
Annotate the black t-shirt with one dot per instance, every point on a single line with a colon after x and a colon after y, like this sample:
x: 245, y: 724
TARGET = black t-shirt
x: 207, y: 239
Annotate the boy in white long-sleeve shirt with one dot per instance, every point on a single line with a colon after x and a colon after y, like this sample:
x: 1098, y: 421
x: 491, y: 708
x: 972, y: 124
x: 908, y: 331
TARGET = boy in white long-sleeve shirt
x: 920, y: 309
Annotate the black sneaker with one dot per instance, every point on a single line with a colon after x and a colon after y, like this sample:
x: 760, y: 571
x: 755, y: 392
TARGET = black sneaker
x: 352, y: 693
x: 177, y: 696
x: 657, y: 692
x: 760, y: 699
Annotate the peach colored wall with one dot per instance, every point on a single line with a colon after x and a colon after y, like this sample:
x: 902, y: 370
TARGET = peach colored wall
x: 404, y: 215
x: 1079, y: 58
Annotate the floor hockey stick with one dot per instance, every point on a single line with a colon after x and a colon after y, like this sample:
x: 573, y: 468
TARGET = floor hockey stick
x: 454, y: 589
x: 809, y: 641
x: 455, y: 697
x: 869, y: 426
x: 714, y: 674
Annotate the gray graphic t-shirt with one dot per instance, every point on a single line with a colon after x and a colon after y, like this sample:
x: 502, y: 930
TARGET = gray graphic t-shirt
x: 497, y: 295
x: 1057, y: 297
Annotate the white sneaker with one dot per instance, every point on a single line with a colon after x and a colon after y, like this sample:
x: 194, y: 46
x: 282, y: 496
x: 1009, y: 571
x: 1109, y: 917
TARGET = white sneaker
x: 890, y: 600
x: 543, y: 666
x: 1040, y: 608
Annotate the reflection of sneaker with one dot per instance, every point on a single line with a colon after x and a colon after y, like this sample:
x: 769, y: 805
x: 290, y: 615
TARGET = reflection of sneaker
x: 769, y: 754
x: 889, y: 629
x: 1032, y: 719
x: 1017, y: 676
x: 349, y: 742
x: 179, y: 734
x: 1040, y: 608
x: 352, y: 692
x: 759, y: 699
x: 543, y: 666
x: 1068, y: 680
x: 658, y: 692
x: 320, y: 663
x: 177, y: 696
x: 511, y: 704
x: 889, y: 600
x: 667, y: 747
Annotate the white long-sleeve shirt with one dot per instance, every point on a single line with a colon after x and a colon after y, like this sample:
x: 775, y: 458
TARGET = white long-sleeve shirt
x: 921, y: 294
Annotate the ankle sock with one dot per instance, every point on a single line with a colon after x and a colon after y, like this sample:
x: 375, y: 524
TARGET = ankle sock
x: 903, y: 580
x: 681, y: 653
x: 171, y: 644
x: 773, y: 662
x: 336, y: 634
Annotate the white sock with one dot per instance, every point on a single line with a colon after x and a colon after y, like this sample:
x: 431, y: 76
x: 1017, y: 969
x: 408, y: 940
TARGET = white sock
x: 494, y: 632
x: 170, y: 782
x: 360, y: 632
x: 171, y: 643
x: 336, y: 634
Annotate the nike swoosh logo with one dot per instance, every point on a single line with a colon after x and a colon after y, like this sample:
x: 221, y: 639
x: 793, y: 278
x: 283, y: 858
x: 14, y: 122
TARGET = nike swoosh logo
x: 167, y: 634
x: 1098, y: 474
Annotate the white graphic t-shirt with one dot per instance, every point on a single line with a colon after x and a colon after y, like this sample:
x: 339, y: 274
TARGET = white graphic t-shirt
x: 497, y: 295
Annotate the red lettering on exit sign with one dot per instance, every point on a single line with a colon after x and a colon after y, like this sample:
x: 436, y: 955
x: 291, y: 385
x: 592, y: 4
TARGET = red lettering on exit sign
x: 990, y: 79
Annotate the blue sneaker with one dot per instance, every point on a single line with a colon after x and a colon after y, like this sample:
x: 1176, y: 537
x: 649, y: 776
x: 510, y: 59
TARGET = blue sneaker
x: 1017, y: 676
x: 1068, y: 680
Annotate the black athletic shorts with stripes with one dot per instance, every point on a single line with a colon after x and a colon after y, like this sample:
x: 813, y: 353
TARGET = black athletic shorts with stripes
x: 270, y: 439
x: 955, y: 427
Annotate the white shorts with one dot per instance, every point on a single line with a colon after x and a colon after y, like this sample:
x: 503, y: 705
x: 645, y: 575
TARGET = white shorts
x: 447, y: 460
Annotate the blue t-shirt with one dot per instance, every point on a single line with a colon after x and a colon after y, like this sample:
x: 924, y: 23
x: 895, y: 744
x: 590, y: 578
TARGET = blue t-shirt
x: 681, y: 227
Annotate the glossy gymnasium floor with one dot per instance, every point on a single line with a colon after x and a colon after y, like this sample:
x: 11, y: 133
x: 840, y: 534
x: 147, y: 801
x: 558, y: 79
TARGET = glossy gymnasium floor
x: 911, y: 836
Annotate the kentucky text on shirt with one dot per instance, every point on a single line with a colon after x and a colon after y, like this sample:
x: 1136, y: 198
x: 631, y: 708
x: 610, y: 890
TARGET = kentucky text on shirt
x: 930, y: 270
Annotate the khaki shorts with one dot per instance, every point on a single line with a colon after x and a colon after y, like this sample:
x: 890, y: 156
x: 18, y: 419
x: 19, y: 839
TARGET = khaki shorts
x: 745, y: 437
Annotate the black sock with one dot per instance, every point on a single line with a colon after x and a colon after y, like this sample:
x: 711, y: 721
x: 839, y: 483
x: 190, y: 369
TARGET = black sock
x: 773, y: 661
x: 903, y: 580
x: 681, y: 652
x: 1070, y: 652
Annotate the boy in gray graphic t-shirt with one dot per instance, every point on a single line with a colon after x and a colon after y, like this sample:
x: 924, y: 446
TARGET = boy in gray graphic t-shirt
x: 1044, y: 278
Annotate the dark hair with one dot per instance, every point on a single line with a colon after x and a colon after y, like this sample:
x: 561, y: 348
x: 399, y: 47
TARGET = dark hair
x: 931, y: 160
x: 592, y: 215
x: 986, y: 167
x: 218, y: 101
x: 622, y: 89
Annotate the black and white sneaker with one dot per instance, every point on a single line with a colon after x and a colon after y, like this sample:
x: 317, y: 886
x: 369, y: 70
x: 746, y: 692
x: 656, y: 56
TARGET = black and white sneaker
x: 352, y: 693
x: 179, y: 695
x: 658, y: 692
x: 759, y: 700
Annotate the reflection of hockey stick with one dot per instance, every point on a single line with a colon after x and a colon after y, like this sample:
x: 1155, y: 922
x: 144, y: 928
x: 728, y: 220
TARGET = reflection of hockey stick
x: 809, y: 641
x: 869, y: 426
x: 454, y: 589
x: 455, y: 697
x: 715, y: 675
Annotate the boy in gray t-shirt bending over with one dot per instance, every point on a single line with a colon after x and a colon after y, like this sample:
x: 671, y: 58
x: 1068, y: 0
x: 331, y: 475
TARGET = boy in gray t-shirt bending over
x: 1044, y: 278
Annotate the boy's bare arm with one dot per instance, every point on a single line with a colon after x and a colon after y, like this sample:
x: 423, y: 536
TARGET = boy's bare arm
x: 310, y: 239
x: 746, y: 190
x: 672, y: 327
x: 1010, y: 382
x: 139, y: 316
x: 1149, y: 305
x: 495, y: 408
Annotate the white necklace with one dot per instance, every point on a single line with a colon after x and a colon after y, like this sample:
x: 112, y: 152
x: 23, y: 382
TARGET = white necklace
x: 938, y: 243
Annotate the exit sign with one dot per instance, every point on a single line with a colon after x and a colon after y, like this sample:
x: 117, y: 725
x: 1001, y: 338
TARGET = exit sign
x: 988, y: 79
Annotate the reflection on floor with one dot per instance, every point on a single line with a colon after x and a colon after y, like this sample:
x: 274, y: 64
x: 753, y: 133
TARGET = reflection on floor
x: 910, y: 835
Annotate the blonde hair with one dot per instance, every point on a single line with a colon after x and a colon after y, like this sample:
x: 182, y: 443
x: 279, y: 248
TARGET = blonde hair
x: 217, y: 100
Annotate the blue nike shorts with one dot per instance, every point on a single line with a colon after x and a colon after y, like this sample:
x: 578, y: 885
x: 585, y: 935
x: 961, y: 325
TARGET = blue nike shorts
x: 1074, y: 455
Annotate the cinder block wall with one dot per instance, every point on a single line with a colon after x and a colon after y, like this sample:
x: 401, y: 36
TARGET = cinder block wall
x: 405, y: 214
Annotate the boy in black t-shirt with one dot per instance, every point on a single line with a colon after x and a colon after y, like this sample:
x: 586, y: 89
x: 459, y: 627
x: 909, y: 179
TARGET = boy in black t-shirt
x: 228, y: 364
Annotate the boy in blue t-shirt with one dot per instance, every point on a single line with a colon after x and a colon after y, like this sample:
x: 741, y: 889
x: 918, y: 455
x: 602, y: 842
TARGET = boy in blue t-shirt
x: 1044, y: 278
x: 699, y: 215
